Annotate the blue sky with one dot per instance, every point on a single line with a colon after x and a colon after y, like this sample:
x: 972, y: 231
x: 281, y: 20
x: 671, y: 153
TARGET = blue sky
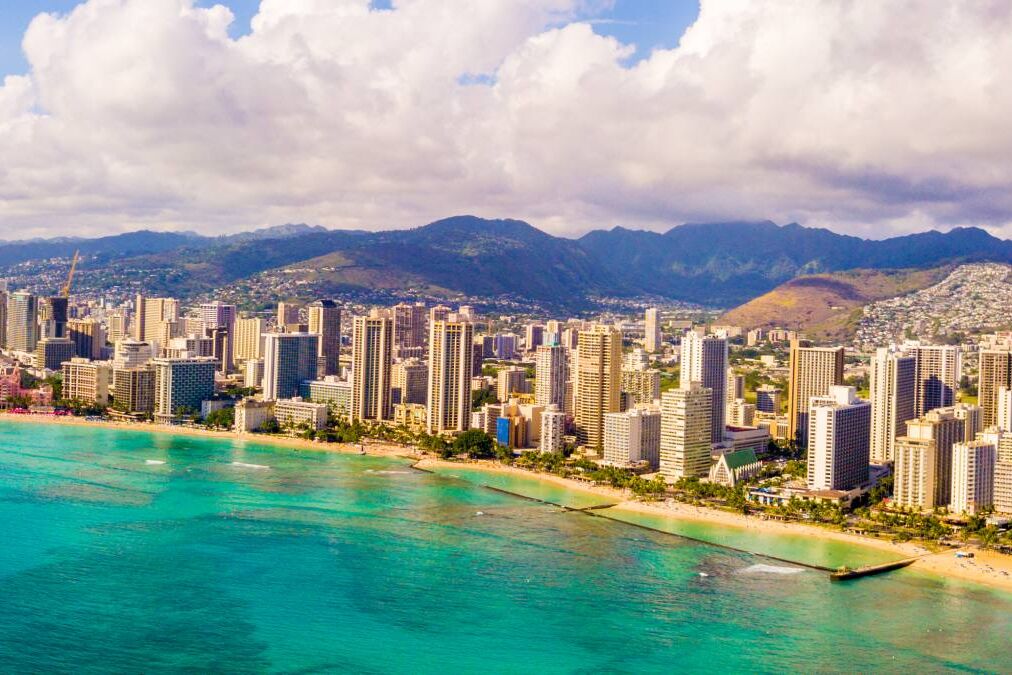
x: 647, y: 23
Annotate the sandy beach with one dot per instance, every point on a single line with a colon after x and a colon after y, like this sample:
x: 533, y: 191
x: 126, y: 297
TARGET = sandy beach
x: 987, y: 567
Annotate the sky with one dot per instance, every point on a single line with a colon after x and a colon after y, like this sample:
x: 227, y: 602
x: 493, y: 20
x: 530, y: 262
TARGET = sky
x: 874, y: 119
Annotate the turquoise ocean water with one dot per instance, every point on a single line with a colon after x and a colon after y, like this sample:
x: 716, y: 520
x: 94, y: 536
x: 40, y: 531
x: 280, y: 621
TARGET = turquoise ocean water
x: 137, y: 552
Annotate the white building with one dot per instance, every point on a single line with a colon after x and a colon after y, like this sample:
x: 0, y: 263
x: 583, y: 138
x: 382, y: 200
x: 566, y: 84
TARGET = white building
x: 553, y: 429
x: 704, y: 360
x: 633, y: 436
x: 893, y: 400
x: 294, y: 412
x: 973, y: 476
x: 251, y: 414
x: 838, y: 440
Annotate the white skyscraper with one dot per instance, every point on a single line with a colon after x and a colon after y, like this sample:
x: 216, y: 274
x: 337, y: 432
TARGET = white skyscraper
x: 553, y: 428
x: 704, y: 360
x: 838, y: 440
x: 939, y: 368
x: 551, y: 370
x: 893, y: 400
x: 973, y: 476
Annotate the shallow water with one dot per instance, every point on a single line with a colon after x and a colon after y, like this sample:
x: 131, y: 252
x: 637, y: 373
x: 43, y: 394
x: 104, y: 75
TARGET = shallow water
x: 237, y: 557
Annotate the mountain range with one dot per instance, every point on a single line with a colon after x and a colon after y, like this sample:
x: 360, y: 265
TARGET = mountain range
x: 712, y: 264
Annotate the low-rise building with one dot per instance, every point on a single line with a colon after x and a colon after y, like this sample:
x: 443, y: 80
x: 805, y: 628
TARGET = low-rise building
x: 251, y: 414
x: 294, y: 413
x: 412, y: 416
x: 632, y: 437
x: 733, y: 467
x: 87, y: 381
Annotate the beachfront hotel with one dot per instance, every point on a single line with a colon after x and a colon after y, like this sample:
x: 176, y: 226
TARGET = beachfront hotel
x: 450, y: 367
x: 598, y: 382
x: 685, y: 432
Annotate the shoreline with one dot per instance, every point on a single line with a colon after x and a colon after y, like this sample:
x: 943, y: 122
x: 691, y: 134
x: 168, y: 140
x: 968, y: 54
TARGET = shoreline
x: 374, y: 448
x: 937, y: 564
x: 986, y: 568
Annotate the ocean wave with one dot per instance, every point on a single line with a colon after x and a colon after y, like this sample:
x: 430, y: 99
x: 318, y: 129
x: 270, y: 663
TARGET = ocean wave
x: 760, y: 568
x: 244, y: 465
x: 154, y: 462
x: 387, y: 472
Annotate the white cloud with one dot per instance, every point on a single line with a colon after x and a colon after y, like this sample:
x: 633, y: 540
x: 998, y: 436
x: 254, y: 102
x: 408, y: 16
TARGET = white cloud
x: 873, y: 118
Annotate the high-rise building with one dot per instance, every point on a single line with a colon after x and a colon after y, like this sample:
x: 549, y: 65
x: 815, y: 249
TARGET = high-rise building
x: 219, y: 322
x: 973, y: 476
x: 289, y: 360
x: 550, y: 372
x: 450, y: 356
x: 52, y: 352
x: 410, y: 321
x: 53, y: 316
x: 632, y: 437
x: 704, y: 360
x: 249, y: 339
x: 132, y: 354
x: 372, y: 343
x: 87, y: 381
x: 838, y: 440
x: 181, y: 385
x: 325, y: 321
x: 995, y: 369
x: 813, y: 370
x: 685, y: 432
x: 652, y: 331
x: 534, y: 336
x: 972, y: 419
x: 156, y: 320
x: 509, y: 381
x: 893, y: 400
x: 438, y: 313
x: 598, y: 382
x: 22, y: 322
x: 88, y: 337
x: 553, y: 430
x: 288, y: 316
x: 923, y: 473
x: 133, y: 390
x: 411, y: 381
x: 4, y: 297
x: 767, y: 399
x: 117, y: 326
x: 642, y: 386
x: 939, y: 368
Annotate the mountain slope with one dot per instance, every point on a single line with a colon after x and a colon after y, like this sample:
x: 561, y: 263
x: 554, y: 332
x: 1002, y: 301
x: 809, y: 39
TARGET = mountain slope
x: 828, y: 306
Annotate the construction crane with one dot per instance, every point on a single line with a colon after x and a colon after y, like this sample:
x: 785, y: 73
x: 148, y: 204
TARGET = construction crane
x: 70, y: 276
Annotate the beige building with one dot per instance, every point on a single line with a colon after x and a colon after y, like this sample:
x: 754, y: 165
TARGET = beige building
x: 685, y: 432
x: 652, y: 331
x: 325, y: 321
x: 411, y: 379
x: 155, y: 319
x: 413, y: 416
x: 133, y: 390
x: 740, y: 414
x: 249, y: 339
x: 450, y: 366
x: 509, y: 381
x: 410, y: 323
x: 598, y: 382
x: 88, y: 381
x: 251, y: 414
x: 923, y: 469
x: 632, y: 437
x: 295, y: 413
x: 813, y: 370
x: 893, y: 400
x: 371, y: 370
x: 643, y: 385
x: 995, y: 368
x: 88, y: 336
x: 938, y: 371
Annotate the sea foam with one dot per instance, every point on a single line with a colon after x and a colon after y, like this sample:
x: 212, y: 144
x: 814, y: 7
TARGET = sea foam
x: 244, y: 465
x: 154, y: 462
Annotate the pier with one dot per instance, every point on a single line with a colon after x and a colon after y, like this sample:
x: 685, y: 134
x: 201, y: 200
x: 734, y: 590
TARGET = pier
x: 845, y: 573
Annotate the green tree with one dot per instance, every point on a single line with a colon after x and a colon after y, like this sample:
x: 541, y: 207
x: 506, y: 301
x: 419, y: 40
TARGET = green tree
x: 220, y: 419
x: 475, y: 443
